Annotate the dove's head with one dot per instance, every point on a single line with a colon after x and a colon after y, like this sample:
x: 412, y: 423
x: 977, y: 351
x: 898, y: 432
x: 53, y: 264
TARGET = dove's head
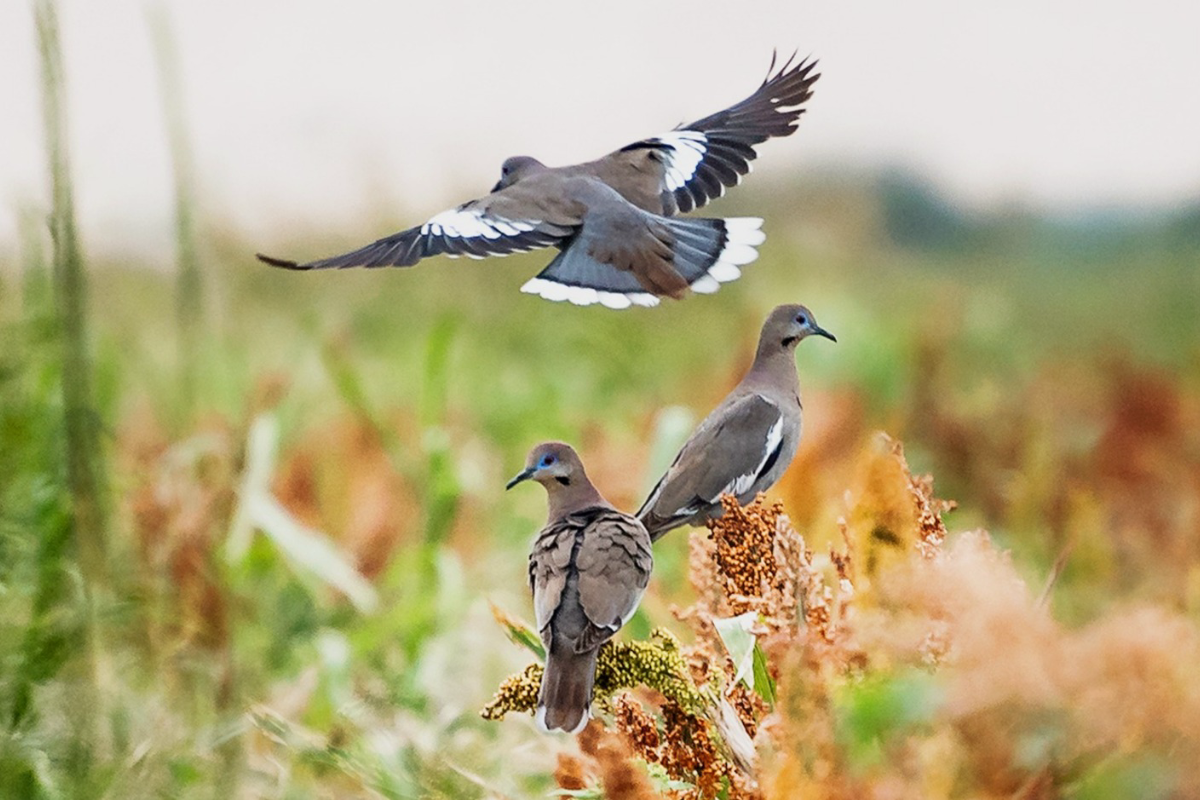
x: 515, y: 168
x: 786, y: 326
x: 552, y: 464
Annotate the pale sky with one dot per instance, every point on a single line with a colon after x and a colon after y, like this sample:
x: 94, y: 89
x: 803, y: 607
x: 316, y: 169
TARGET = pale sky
x: 320, y: 114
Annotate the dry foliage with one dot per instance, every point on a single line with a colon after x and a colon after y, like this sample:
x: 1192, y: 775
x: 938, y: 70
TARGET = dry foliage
x: 340, y: 480
x: 179, y: 510
x: 906, y: 663
x: 620, y: 777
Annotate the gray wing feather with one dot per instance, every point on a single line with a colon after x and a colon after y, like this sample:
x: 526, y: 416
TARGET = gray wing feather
x: 614, y: 569
x: 588, y: 573
x: 496, y: 225
x: 702, y: 159
x: 731, y: 443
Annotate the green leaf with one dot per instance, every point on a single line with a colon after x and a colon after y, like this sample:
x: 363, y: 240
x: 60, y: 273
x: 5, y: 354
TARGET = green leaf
x: 1145, y: 777
x: 261, y: 443
x: 763, y: 683
x: 309, y: 550
x: 333, y: 657
x: 664, y: 782
x: 590, y: 793
x: 312, y: 551
x: 519, y: 631
x: 184, y: 772
x: 739, y: 641
x: 871, y: 711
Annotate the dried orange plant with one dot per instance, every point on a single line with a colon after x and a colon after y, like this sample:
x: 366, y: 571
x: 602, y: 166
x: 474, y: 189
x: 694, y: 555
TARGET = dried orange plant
x: 905, y: 663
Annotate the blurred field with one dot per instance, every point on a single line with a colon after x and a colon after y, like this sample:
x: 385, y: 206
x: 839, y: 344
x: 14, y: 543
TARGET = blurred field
x: 1045, y: 371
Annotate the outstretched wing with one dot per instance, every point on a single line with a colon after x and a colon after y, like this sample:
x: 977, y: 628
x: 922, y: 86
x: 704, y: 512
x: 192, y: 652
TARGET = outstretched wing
x: 496, y: 225
x: 724, y: 456
x: 701, y: 159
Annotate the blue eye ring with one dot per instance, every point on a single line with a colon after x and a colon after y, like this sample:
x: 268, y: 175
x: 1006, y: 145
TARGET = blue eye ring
x: 546, y: 461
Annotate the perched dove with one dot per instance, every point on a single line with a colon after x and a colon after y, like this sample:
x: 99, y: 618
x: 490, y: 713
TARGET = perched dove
x: 588, y: 570
x: 747, y: 442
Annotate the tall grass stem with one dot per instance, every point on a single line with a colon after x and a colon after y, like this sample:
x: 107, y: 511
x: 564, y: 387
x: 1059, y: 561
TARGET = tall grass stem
x: 81, y: 425
x: 188, y: 287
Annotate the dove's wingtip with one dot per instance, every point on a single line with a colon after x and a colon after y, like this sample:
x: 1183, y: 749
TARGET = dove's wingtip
x: 277, y: 262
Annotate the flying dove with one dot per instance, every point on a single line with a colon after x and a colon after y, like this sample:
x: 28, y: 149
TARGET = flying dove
x: 612, y: 219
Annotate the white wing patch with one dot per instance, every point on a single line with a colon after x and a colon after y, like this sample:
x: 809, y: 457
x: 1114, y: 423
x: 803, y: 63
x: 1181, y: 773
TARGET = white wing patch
x: 586, y: 295
x: 471, y: 223
x: 742, y: 235
x: 687, y: 151
x: 742, y: 483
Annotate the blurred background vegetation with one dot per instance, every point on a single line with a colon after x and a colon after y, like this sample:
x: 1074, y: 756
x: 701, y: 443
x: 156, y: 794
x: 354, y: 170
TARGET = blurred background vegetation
x: 251, y: 521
